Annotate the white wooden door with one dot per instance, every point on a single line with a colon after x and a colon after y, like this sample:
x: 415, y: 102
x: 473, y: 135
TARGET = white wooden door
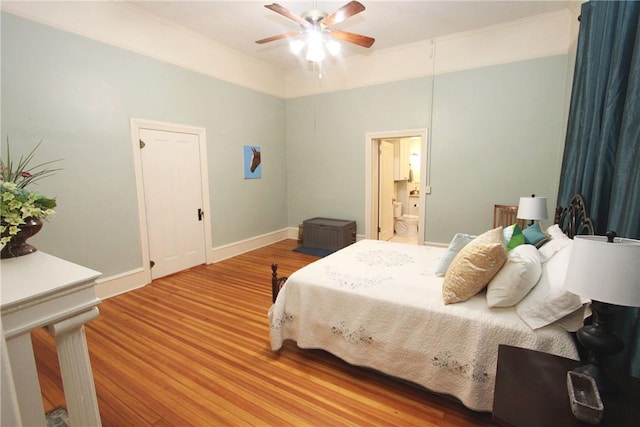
x: 385, y: 200
x: 173, y: 200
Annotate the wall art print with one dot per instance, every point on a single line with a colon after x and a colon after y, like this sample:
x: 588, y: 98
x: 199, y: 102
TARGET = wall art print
x: 252, y: 162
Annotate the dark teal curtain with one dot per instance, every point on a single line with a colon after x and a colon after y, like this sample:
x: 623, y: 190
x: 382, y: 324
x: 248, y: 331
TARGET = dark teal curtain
x: 602, y: 150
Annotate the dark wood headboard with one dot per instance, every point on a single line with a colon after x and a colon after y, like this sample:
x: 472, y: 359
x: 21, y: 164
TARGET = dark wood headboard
x: 574, y: 218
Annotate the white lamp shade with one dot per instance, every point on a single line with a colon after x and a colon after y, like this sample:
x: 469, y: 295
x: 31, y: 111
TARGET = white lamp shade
x: 605, y: 272
x: 534, y: 208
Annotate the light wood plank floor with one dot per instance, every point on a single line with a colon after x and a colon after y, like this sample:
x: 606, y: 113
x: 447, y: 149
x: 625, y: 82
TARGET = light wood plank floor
x: 193, y: 349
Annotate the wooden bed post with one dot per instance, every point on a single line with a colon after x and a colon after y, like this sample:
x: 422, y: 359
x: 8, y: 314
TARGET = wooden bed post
x: 276, y: 282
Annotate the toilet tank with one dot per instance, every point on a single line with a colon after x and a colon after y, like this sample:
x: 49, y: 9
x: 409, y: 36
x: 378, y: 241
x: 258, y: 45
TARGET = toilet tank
x: 414, y: 207
x: 397, y: 209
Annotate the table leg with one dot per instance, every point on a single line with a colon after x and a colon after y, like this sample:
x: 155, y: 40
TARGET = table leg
x: 75, y: 368
x: 25, y: 378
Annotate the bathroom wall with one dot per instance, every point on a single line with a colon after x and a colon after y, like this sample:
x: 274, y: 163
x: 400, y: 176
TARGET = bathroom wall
x: 404, y: 188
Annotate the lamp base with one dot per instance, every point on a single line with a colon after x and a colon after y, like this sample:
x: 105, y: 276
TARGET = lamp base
x: 601, y: 343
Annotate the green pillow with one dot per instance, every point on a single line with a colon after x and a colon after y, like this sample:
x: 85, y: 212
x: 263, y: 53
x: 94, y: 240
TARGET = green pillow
x: 533, y: 234
x: 517, y: 238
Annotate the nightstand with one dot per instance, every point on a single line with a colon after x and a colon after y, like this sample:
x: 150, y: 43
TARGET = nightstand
x: 531, y: 391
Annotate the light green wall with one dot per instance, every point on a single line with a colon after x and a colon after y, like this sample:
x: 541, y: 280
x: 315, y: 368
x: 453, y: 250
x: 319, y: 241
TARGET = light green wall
x: 495, y: 136
x: 77, y: 95
x: 326, y: 144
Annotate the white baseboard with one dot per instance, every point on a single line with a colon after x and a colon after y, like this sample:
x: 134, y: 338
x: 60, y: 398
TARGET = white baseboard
x: 121, y: 283
x: 227, y: 251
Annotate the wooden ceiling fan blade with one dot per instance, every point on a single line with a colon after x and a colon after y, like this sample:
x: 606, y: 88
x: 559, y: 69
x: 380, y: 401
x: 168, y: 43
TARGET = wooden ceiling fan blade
x: 346, y: 11
x: 278, y: 37
x: 359, y: 39
x: 286, y: 13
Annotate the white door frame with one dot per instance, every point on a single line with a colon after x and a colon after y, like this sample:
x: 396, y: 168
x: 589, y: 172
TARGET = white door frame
x: 136, y: 125
x: 371, y: 178
x: 386, y: 166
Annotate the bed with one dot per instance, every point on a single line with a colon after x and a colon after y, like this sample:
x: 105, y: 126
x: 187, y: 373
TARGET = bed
x: 380, y: 305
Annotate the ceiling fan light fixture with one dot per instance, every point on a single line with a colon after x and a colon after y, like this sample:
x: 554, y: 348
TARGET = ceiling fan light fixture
x: 317, y: 26
x: 296, y: 46
x: 315, y: 47
x: 315, y: 54
x: 333, y: 47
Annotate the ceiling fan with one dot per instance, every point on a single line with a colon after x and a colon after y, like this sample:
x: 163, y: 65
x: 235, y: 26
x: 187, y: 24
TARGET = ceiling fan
x: 315, y: 21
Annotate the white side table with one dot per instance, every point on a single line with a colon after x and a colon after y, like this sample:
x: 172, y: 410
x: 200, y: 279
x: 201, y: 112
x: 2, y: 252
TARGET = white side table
x: 40, y: 290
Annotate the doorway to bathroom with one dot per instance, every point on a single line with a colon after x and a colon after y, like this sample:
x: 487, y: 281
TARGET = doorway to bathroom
x: 395, y: 185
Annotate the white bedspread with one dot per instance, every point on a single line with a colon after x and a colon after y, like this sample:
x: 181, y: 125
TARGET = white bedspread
x: 378, y: 304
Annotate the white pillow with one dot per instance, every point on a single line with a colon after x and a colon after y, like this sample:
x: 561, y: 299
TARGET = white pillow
x: 548, y: 301
x: 556, y: 232
x: 516, y: 277
x: 458, y: 242
x: 558, y: 241
x: 552, y: 247
x: 575, y: 320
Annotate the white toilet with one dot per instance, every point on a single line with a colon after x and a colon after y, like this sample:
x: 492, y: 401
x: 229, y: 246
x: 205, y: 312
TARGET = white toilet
x: 404, y: 225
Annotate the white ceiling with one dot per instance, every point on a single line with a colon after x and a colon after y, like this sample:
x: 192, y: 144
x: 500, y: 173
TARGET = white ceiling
x: 237, y: 24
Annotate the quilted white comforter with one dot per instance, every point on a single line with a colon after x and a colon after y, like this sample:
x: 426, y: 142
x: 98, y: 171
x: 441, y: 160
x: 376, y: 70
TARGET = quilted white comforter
x: 379, y: 305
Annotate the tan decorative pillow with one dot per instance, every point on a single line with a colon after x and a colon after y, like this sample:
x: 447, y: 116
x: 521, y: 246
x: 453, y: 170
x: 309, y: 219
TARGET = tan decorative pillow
x: 474, y: 266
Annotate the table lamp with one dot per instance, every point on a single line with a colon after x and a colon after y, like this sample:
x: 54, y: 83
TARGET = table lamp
x: 607, y: 271
x: 532, y: 208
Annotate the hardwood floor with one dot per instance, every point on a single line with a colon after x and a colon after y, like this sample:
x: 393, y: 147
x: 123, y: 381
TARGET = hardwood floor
x: 193, y: 349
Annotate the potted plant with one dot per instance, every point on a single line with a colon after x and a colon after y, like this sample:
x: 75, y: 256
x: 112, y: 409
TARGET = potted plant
x: 22, y: 210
